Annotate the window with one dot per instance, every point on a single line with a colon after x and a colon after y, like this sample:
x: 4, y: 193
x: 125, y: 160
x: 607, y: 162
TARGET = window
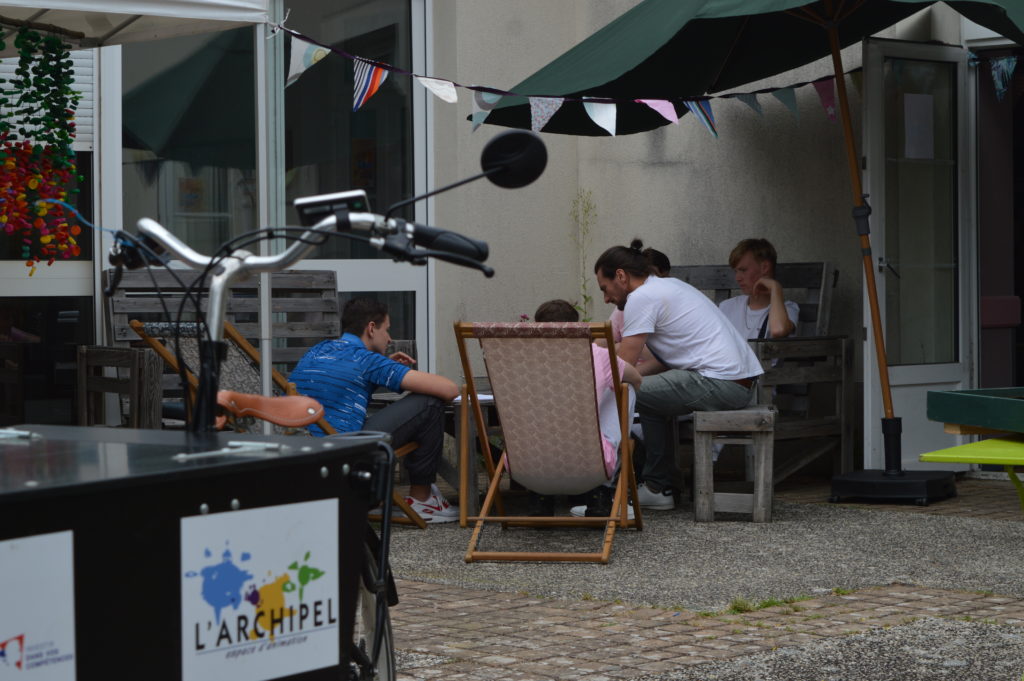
x: 330, y: 148
x: 190, y: 135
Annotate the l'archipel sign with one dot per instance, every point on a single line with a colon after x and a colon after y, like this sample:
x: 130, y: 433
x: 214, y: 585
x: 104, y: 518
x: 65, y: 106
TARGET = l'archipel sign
x: 260, y: 592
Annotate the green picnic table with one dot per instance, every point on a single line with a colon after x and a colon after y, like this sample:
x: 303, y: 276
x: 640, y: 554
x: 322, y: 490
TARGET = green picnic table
x: 1007, y: 451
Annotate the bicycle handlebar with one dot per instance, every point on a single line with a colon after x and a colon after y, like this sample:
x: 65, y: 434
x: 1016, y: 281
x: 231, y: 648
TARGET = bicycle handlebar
x: 396, y: 237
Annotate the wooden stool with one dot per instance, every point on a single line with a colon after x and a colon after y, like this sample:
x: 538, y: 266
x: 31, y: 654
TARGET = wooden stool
x: 721, y: 426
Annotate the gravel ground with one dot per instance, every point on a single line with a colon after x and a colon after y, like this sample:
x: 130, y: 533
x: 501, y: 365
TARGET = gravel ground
x: 676, y: 563
x: 926, y: 650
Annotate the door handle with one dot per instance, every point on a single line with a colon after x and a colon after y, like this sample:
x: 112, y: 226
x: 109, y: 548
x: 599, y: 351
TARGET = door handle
x: 884, y: 265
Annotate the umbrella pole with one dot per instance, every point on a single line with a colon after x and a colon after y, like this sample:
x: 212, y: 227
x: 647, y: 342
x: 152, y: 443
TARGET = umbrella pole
x: 891, y: 425
x: 893, y: 482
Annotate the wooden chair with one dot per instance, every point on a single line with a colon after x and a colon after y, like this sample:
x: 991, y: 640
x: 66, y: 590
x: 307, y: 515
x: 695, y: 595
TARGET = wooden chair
x: 809, y: 284
x: 542, y: 378
x: 304, y: 304
x: 808, y: 375
x: 240, y: 370
x: 136, y: 374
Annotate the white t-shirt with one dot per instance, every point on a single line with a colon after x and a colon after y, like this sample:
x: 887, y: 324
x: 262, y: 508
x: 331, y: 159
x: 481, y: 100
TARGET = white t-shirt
x: 686, y: 330
x: 748, y: 322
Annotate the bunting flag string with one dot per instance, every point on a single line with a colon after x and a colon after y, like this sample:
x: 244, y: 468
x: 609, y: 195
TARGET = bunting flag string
x: 444, y: 85
x: 371, y: 74
x: 369, y: 78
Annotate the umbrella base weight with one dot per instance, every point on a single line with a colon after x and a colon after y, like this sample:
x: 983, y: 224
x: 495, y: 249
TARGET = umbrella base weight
x: 921, y: 487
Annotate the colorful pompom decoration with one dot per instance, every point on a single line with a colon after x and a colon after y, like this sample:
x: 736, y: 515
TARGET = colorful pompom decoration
x: 37, y: 162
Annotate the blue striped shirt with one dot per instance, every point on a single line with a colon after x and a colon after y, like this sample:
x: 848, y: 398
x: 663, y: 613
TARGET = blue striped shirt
x: 342, y: 375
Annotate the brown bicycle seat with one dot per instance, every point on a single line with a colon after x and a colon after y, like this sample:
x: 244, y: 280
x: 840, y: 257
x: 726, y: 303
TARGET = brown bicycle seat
x: 290, y: 411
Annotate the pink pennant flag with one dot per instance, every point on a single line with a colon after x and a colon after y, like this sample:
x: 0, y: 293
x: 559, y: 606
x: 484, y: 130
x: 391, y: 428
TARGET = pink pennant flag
x: 827, y: 94
x: 662, y: 106
x: 541, y: 111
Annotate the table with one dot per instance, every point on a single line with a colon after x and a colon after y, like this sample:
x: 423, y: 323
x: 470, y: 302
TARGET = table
x: 111, y: 536
x: 1005, y: 451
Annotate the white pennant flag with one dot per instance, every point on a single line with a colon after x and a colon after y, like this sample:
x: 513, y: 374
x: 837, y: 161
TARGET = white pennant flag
x: 442, y: 89
x: 541, y: 111
x: 304, y: 55
x: 603, y: 114
x: 483, y: 102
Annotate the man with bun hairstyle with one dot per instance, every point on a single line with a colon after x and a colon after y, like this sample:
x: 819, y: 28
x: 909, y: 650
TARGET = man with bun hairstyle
x: 701, y: 362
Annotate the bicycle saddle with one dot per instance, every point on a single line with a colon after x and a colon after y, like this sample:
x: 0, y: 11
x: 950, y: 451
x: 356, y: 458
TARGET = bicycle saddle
x: 290, y: 411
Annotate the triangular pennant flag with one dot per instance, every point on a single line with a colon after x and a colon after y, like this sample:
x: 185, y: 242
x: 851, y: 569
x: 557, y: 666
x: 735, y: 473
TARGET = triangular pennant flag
x: 483, y: 102
x: 857, y: 78
x: 304, y: 55
x: 369, y: 78
x: 751, y: 101
x: 702, y: 110
x: 603, y: 114
x: 662, y: 106
x: 1002, y: 74
x: 827, y: 94
x: 541, y: 111
x: 787, y: 96
x: 443, y: 89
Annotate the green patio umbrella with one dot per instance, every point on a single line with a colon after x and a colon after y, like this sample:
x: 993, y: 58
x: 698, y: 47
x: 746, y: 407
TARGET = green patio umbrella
x: 679, y: 50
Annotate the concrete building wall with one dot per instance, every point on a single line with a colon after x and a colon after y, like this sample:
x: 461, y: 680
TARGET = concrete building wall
x: 777, y: 175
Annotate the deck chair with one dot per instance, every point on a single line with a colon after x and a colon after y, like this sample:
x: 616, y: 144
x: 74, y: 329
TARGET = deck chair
x: 240, y: 370
x: 542, y: 379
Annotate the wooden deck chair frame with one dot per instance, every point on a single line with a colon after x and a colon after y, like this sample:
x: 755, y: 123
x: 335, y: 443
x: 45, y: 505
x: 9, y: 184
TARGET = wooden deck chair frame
x: 625, y: 489
x: 232, y: 335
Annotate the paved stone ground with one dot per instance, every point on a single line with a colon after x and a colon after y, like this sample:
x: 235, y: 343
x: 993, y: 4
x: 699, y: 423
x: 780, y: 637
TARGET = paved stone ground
x: 466, y: 634
x: 897, y: 631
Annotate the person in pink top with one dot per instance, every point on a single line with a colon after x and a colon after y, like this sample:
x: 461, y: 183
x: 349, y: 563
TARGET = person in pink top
x: 599, y: 501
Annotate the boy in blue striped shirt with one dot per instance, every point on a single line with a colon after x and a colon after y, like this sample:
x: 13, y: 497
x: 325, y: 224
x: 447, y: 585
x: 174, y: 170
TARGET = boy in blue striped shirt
x: 342, y: 374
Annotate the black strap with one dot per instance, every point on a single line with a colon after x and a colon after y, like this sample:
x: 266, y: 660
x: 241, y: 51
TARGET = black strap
x: 762, y: 334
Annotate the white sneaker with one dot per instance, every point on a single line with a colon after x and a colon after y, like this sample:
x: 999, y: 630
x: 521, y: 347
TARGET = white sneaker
x: 581, y: 511
x: 656, y: 501
x: 435, y: 508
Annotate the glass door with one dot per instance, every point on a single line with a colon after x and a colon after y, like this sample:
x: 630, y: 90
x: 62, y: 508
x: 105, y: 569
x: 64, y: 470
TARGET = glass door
x: 923, y: 231
x: 330, y: 148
